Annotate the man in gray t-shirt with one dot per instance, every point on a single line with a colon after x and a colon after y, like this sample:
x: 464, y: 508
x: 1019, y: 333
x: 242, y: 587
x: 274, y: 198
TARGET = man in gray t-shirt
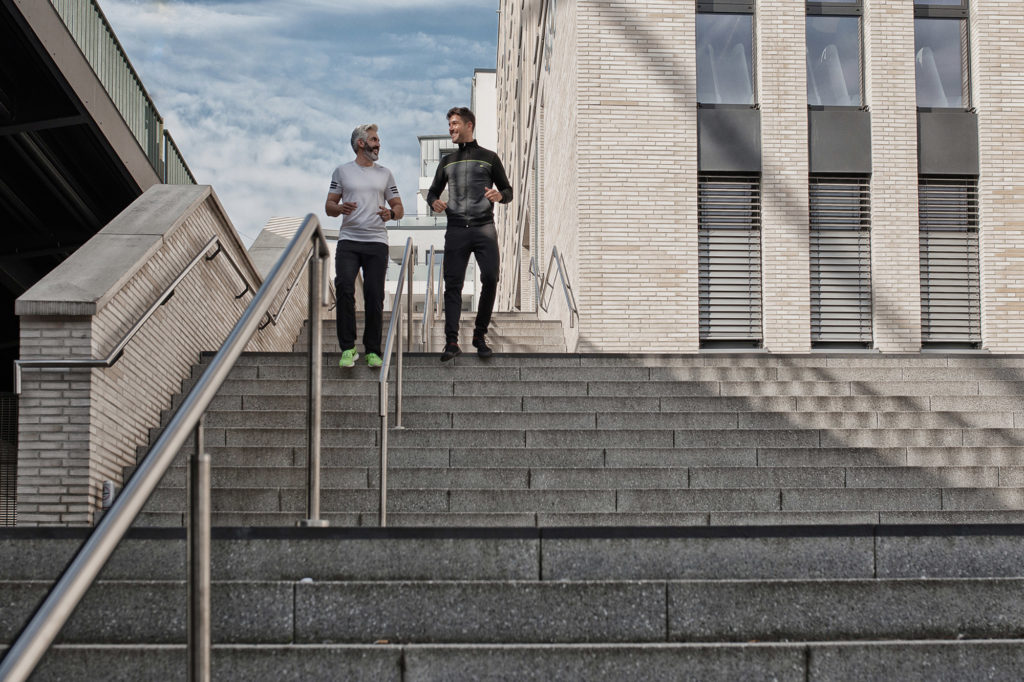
x: 359, y: 190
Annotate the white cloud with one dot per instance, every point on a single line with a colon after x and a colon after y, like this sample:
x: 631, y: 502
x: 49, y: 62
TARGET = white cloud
x: 262, y: 96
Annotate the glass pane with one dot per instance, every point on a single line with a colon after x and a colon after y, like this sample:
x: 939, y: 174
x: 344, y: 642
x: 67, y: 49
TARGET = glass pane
x: 939, y: 53
x: 938, y: 3
x: 724, y: 74
x: 833, y: 61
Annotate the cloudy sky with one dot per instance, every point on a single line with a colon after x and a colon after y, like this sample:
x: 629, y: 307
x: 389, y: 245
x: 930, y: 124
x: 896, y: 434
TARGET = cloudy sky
x: 261, y: 95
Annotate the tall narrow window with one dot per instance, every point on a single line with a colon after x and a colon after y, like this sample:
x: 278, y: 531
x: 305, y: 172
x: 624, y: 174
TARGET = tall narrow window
x: 725, y: 40
x: 834, y: 73
x: 840, y: 261
x: 950, y: 271
x: 941, y: 52
x: 729, y: 244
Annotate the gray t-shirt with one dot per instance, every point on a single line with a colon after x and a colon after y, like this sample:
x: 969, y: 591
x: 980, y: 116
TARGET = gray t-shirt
x: 369, y: 187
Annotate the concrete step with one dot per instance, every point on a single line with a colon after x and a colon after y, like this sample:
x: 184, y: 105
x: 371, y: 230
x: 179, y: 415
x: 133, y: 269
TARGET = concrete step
x: 603, y: 478
x: 810, y: 661
x: 545, y: 611
x: 572, y: 435
x: 537, y: 555
x: 1008, y: 458
x: 458, y: 520
x: 502, y: 499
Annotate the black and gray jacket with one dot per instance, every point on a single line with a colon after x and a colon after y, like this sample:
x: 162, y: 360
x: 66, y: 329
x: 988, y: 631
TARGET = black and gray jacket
x: 468, y: 172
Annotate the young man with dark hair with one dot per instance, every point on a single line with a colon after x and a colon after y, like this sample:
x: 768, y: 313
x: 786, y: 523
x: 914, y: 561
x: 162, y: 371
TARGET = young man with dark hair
x: 362, y: 186
x: 476, y: 180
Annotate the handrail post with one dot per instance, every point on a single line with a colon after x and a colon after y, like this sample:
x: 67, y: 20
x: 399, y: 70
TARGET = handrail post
x: 199, y: 559
x: 315, y: 395
x: 382, y: 390
x: 398, y: 373
x: 408, y: 291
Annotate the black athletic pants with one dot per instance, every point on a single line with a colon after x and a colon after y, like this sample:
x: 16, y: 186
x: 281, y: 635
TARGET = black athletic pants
x: 459, y: 243
x: 372, y: 258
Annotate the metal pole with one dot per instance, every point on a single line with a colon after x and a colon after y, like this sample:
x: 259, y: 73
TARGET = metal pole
x: 314, y: 402
x: 199, y: 560
x: 398, y: 375
x: 408, y: 290
x: 383, y: 393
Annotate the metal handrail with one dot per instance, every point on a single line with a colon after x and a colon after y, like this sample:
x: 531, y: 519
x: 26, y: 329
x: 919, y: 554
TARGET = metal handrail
x: 115, y: 354
x: 439, y: 306
x: 543, y: 285
x: 49, y: 618
x: 273, y: 317
x: 394, y: 332
x: 428, y: 312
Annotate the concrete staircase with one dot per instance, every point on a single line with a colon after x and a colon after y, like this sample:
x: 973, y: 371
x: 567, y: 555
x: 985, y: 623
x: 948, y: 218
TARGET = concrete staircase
x: 557, y: 516
x: 784, y: 603
x: 555, y: 440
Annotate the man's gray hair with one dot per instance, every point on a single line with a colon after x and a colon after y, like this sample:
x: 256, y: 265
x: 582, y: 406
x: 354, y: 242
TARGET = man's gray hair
x: 362, y: 133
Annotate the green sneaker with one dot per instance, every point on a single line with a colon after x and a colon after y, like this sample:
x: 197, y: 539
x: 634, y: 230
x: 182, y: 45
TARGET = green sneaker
x: 373, y: 360
x: 348, y: 358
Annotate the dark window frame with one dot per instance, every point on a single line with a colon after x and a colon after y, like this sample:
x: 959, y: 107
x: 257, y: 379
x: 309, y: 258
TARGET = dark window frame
x: 724, y: 7
x: 942, y: 11
x: 846, y: 9
x: 720, y: 7
x: 960, y: 13
x: 841, y: 9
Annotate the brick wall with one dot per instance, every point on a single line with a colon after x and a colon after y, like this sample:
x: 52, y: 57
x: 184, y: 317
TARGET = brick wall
x: 891, y: 93
x: 637, y: 145
x: 78, y: 428
x: 997, y: 53
x: 782, y: 93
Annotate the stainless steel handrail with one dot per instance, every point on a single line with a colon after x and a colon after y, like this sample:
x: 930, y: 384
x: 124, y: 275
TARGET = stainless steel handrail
x: 428, y: 312
x: 536, y: 281
x: 115, y: 354
x: 273, y: 317
x: 543, y: 286
x: 394, y: 332
x: 49, y: 618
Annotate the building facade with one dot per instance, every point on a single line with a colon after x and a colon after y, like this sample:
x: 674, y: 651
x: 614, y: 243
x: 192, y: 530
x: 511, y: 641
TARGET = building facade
x: 782, y: 175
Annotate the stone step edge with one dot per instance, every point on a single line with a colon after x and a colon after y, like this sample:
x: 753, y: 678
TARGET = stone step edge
x: 227, y: 533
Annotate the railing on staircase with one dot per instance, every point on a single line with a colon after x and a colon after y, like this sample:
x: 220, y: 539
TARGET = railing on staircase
x: 431, y: 302
x: 115, y: 354
x: 543, y: 286
x: 394, y: 338
x: 57, y: 607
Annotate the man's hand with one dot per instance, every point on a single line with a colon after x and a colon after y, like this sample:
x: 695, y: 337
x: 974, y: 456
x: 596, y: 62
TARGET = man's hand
x: 384, y: 212
x: 438, y: 206
x: 492, y: 194
x: 348, y: 207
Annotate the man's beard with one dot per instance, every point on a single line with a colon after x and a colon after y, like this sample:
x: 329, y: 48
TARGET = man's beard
x: 371, y: 153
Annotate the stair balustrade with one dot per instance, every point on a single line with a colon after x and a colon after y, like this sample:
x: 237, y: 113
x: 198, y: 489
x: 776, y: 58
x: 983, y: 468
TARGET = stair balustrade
x: 543, y: 286
x: 44, y: 626
x: 394, y: 338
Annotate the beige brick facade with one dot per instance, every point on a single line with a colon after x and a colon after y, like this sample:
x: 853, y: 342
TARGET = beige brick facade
x: 80, y: 427
x: 998, y: 93
x: 617, y: 83
x: 890, y: 88
x: 782, y: 93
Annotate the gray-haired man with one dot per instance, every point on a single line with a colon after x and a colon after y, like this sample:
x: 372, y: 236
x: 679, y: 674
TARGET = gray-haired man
x: 362, y: 187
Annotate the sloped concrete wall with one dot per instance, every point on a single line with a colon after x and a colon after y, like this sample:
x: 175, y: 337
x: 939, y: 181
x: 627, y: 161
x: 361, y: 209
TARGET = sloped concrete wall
x: 79, y: 427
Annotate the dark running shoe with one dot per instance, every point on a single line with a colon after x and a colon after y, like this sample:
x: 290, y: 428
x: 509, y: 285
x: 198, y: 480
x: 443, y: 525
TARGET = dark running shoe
x: 482, y: 349
x: 451, y: 349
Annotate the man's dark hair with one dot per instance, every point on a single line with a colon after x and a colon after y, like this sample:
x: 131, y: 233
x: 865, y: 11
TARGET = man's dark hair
x: 463, y: 113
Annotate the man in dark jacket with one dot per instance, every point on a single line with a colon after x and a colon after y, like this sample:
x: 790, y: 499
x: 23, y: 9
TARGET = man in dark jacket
x: 476, y: 180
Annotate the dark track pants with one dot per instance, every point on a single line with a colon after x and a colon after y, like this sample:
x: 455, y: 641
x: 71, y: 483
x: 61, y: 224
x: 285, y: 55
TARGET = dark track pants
x: 372, y: 258
x: 459, y: 243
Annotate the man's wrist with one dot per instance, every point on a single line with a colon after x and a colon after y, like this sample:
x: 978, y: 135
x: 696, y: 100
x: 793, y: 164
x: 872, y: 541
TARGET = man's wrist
x: 392, y: 212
